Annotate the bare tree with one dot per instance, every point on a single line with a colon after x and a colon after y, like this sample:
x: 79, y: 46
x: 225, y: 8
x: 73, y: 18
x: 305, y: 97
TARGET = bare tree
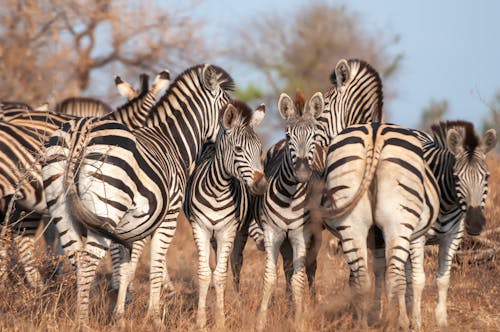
x: 493, y: 118
x: 56, y: 47
x: 434, y: 112
x: 300, y: 51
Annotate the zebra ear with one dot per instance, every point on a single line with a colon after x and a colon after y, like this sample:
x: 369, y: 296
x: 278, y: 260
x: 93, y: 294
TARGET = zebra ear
x: 209, y: 77
x: 455, y: 140
x: 316, y: 104
x: 230, y: 117
x: 286, y: 107
x: 125, y: 89
x: 341, y: 74
x: 488, y: 141
x: 161, y: 82
x: 258, y: 115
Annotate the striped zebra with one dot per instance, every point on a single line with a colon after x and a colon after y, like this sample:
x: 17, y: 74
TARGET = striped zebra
x: 21, y: 181
x: 376, y: 175
x: 217, y: 201
x: 84, y: 106
x: 456, y: 156
x: 356, y: 97
x: 281, y: 210
x: 124, y: 185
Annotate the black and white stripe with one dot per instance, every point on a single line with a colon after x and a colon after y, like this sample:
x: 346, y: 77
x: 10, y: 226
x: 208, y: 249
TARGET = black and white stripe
x: 456, y: 156
x: 282, y: 209
x: 376, y: 176
x: 122, y: 184
x: 218, y: 197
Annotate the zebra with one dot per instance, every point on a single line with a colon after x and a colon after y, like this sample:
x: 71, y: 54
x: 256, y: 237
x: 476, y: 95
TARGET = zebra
x: 124, y: 185
x: 376, y: 175
x: 85, y: 106
x: 217, y: 199
x: 281, y: 210
x: 356, y: 97
x: 456, y: 156
x: 21, y: 181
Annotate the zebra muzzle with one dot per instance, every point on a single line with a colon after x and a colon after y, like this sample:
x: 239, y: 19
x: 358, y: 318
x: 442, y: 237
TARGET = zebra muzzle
x: 259, y: 185
x: 474, y: 221
x: 302, y: 170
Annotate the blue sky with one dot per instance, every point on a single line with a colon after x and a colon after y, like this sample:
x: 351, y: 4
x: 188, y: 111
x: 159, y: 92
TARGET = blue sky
x: 451, y: 48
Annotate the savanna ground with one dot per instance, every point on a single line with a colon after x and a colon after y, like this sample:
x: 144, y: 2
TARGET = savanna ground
x: 473, y: 298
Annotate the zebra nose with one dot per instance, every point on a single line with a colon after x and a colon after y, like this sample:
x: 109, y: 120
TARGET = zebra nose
x: 259, y: 183
x: 302, y: 170
x: 474, y: 221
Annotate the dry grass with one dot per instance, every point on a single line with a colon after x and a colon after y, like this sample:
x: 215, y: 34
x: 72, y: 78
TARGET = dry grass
x: 473, y: 302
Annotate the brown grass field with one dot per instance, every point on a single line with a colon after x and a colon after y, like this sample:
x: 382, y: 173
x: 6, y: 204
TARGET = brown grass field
x: 473, y: 297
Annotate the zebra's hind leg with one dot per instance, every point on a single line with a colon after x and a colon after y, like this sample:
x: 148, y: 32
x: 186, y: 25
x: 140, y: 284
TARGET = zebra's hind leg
x: 160, y: 242
x: 202, y: 239
x: 417, y: 281
x: 25, y: 245
x: 397, y: 253
x: 273, y: 238
x: 225, y: 239
x: 88, y: 260
x: 287, y: 255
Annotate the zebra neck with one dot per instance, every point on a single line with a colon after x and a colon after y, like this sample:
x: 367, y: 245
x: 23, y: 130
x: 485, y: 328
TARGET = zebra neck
x: 218, y: 174
x: 133, y: 114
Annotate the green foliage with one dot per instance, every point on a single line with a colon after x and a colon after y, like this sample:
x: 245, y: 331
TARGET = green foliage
x: 250, y: 93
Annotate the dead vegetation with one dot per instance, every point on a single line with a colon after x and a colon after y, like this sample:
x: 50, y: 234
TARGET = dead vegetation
x: 473, y: 300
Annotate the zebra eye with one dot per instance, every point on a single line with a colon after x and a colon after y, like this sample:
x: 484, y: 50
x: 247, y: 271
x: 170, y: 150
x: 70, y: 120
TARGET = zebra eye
x: 238, y: 149
x: 486, y: 177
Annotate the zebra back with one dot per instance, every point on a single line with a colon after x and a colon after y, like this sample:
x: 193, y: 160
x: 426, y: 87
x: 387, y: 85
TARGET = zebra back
x: 83, y: 106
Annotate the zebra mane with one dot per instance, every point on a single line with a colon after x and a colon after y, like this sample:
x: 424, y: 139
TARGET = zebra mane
x: 66, y: 103
x: 6, y: 105
x: 144, y: 90
x: 364, y: 67
x: 300, y: 102
x: 440, y: 131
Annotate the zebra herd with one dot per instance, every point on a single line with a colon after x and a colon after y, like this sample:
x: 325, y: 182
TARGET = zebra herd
x: 122, y: 176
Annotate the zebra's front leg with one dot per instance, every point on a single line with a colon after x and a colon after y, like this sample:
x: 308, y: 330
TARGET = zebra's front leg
x: 273, y: 238
x: 447, y: 250
x: 26, y: 249
x: 202, y: 239
x: 417, y: 281
x: 88, y: 260
x: 225, y: 239
x: 299, y: 240
x: 237, y: 256
x: 160, y: 242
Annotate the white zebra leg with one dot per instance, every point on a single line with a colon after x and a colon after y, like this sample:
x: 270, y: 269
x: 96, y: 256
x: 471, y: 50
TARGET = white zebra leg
x: 4, y: 260
x: 26, y: 249
x: 202, y: 239
x: 115, y: 254
x: 225, y: 239
x: 88, y: 260
x: 397, y: 253
x: 160, y: 242
x: 273, y: 238
x: 298, y: 239
x: 447, y: 250
x: 417, y: 281
x: 126, y: 270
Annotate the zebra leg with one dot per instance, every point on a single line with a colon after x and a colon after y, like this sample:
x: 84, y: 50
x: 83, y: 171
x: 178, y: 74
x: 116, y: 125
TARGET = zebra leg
x: 287, y: 255
x: 202, y: 239
x: 273, y: 238
x: 312, y: 261
x: 25, y: 245
x: 255, y: 232
x: 397, y: 253
x: 447, y: 250
x: 225, y: 239
x: 299, y: 240
x: 240, y: 242
x: 379, y: 271
x: 88, y: 260
x: 4, y: 259
x: 417, y: 281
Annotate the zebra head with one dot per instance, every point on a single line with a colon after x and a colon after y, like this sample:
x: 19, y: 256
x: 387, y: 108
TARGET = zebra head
x: 356, y: 96
x: 471, y: 172
x: 241, y: 147
x: 302, y: 132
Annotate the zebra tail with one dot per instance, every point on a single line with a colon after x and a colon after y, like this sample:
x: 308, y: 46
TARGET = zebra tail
x: 78, y: 211
x: 372, y: 160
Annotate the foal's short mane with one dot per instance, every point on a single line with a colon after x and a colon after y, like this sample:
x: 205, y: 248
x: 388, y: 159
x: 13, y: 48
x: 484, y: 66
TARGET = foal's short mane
x: 440, y: 131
